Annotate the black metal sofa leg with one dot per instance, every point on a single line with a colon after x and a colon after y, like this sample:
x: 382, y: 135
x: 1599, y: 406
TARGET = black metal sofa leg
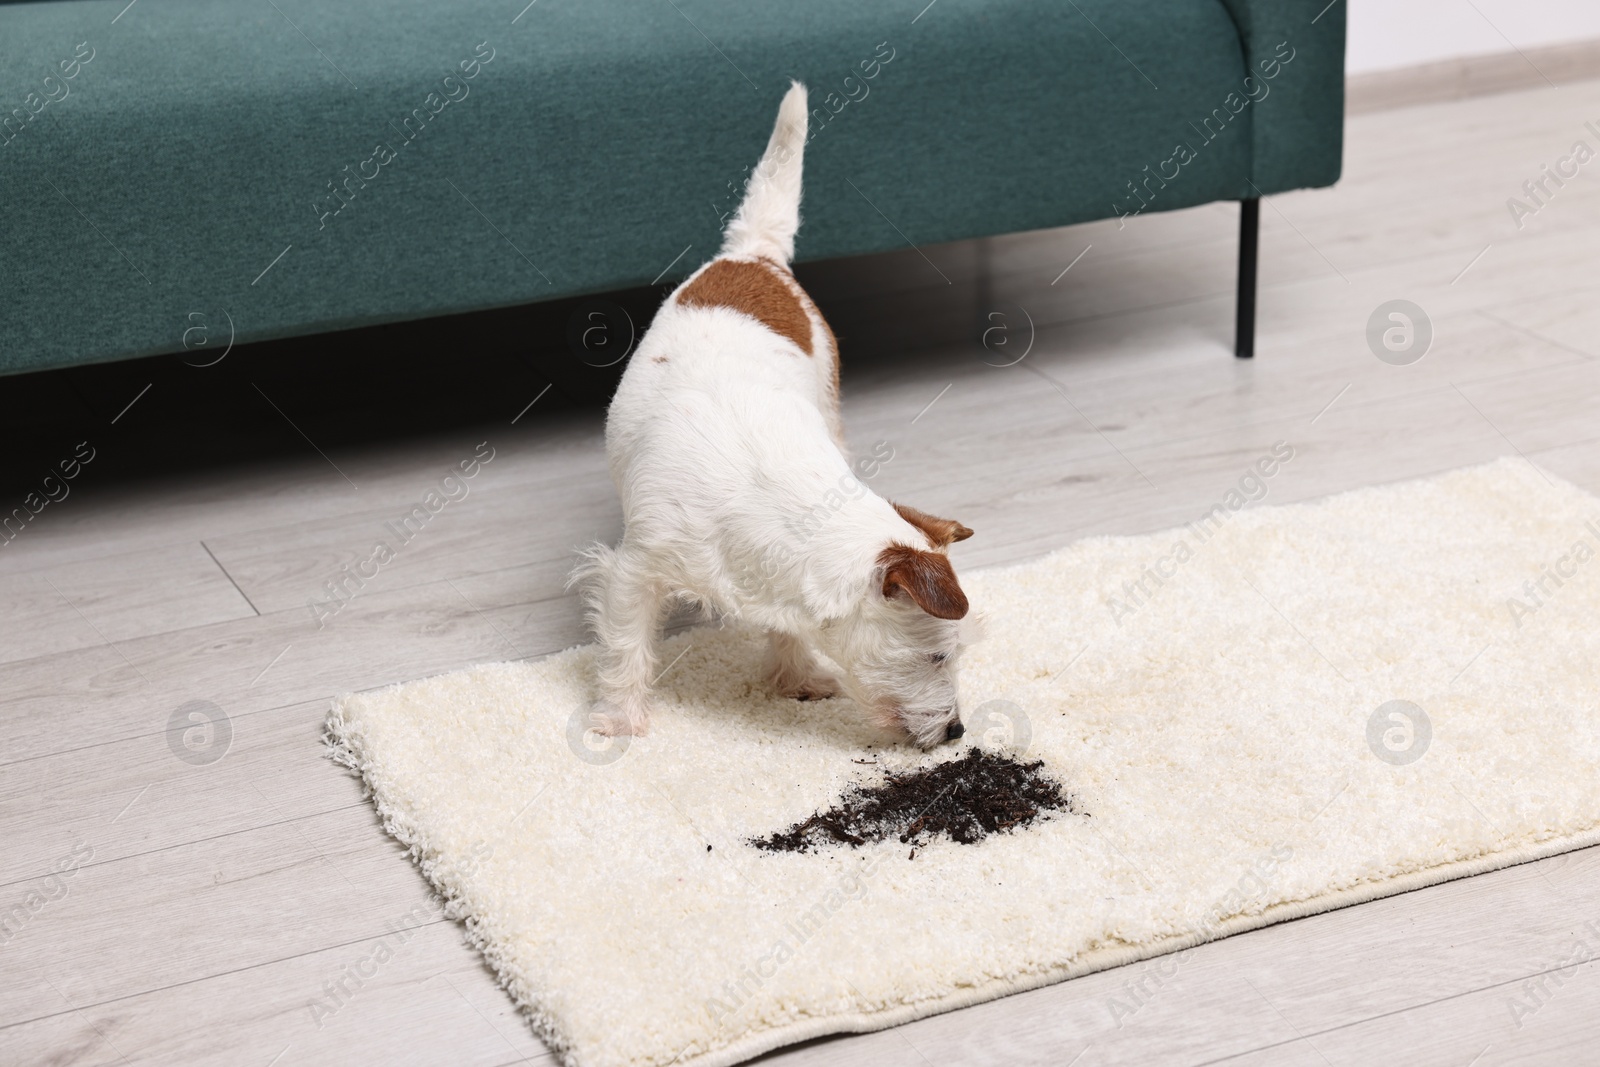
x: 1245, y: 321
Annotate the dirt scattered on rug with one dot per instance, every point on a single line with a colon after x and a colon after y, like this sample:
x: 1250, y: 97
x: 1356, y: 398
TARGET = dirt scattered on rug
x: 966, y: 799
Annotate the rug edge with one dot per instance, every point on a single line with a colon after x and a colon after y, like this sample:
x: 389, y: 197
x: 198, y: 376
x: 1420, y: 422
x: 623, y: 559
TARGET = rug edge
x: 1504, y: 462
x: 344, y: 747
x: 1108, y: 958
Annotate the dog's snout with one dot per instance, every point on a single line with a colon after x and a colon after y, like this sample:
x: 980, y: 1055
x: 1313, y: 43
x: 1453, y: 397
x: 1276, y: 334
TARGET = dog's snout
x: 954, y: 730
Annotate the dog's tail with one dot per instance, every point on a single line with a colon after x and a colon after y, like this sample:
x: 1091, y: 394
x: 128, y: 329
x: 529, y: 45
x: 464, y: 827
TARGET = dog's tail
x: 766, y: 222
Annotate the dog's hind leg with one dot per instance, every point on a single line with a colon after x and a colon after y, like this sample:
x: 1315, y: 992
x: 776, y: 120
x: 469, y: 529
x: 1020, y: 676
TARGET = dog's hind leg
x: 625, y: 610
x: 794, y: 672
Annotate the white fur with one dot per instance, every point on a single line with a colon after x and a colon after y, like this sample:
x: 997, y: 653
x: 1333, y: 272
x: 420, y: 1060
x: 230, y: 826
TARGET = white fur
x: 769, y: 217
x: 722, y: 437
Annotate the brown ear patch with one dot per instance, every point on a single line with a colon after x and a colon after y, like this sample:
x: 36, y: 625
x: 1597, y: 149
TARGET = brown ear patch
x: 926, y: 577
x: 752, y: 289
x: 939, y: 531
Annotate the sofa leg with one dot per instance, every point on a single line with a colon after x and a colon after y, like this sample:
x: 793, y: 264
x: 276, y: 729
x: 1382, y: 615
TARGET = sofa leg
x: 1244, y: 330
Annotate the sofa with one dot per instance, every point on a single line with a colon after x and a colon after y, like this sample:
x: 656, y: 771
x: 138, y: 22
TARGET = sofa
x: 292, y: 167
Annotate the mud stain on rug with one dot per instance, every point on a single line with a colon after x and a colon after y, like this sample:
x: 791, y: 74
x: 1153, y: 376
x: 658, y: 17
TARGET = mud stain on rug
x: 964, y: 799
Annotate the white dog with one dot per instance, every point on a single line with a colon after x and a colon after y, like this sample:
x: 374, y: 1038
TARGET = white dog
x: 725, y: 445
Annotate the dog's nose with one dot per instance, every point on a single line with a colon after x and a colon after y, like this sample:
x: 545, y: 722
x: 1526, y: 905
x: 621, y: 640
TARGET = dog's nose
x: 954, y: 730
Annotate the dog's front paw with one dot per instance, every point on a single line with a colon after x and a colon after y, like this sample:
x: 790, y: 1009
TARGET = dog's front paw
x: 610, y: 719
x: 816, y: 687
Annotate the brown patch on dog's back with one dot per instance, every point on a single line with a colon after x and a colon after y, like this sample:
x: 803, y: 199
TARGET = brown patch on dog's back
x: 752, y: 289
x: 833, y: 343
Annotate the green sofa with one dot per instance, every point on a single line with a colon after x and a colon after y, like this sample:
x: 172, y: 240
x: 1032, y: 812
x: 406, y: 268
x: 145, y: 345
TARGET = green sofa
x: 298, y: 167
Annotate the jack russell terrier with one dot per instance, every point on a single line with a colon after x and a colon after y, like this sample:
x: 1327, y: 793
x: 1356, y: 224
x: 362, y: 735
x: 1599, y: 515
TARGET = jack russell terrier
x: 725, y: 444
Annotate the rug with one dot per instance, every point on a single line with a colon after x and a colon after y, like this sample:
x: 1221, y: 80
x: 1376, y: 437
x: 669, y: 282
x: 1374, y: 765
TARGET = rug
x: 1266, y: 713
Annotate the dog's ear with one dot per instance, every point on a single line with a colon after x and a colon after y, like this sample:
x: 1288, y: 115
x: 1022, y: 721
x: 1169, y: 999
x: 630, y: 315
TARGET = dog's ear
x: 940, y: 531
x: 926, y: 577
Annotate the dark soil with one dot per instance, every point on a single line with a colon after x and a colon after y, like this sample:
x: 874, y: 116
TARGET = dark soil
x: 965, y: 799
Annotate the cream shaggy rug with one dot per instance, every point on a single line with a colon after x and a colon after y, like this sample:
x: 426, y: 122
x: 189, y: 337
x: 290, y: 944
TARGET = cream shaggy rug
x: 1319, y: 704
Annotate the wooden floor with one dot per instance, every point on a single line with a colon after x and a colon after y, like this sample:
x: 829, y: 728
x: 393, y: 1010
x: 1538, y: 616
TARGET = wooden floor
x: 207, y: 903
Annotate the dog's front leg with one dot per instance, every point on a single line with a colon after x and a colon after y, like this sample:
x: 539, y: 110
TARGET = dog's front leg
x: 626, y: 612
x: 794, y: 672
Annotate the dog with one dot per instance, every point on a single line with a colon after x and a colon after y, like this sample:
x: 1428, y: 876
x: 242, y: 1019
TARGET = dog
x: 725, y: 444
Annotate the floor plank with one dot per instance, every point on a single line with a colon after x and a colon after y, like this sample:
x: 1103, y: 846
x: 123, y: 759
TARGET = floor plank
x: 139, y: 795
x: 431, y: 1001
x: 113, y: 598
x: 96, y: 695
x: 210, y: 907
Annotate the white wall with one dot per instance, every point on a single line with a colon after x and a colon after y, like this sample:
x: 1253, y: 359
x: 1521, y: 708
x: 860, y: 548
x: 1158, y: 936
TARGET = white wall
x: 1384, y: 34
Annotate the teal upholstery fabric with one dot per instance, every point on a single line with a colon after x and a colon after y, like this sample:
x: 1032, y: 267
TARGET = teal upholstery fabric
x: 307, y: 166
x: 1298, y: 126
